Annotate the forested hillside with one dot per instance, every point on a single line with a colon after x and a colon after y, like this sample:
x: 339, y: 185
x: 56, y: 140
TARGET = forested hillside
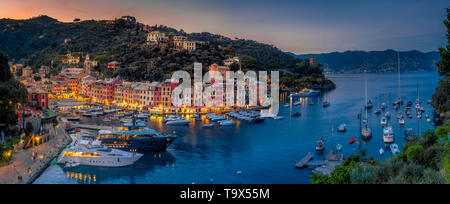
x: 45, y: 41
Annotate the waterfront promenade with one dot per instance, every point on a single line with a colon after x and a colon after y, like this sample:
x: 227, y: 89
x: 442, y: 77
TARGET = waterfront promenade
x: 22, y: 163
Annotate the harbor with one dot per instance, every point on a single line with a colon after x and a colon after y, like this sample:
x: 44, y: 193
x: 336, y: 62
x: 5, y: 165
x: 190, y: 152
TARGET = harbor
x: 248, y: 151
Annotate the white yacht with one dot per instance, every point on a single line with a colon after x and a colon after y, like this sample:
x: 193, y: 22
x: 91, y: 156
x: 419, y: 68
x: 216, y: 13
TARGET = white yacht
x: 93, y: 153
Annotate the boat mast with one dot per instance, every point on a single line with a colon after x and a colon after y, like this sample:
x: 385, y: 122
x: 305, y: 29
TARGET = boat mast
x: 367, y: 118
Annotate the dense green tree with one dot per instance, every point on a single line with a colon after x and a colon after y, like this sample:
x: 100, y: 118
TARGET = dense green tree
x: 235, y: 67
x: 444, y: 64
x: 441, y: 99
x: 247, y: 62
x: 415, y: 153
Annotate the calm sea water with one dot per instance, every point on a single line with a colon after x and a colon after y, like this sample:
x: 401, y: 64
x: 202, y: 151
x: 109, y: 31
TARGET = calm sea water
x: 266, y: 153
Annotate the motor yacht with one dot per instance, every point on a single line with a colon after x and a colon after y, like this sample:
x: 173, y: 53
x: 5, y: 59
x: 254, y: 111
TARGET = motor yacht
x: 93, y: 153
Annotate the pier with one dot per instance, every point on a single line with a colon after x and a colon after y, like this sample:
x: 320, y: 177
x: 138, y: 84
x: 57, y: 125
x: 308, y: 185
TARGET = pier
x: 325, y: 166
x: 303, y: 162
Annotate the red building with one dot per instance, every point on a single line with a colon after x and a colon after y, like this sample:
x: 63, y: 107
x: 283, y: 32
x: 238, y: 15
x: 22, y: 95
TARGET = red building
x: 103, y: 91
x: 38, y: 98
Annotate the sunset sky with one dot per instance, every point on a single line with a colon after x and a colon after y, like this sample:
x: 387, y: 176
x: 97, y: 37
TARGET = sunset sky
x: 302, y: 26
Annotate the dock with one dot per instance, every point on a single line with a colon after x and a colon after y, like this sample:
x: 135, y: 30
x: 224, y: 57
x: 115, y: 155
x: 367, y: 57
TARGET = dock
x: 324, y: 167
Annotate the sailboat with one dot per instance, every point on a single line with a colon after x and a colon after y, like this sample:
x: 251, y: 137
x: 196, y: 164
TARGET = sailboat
x: 366, y: 132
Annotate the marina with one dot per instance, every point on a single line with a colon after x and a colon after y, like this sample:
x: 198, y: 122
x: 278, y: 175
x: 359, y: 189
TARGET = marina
x: 204, y: 150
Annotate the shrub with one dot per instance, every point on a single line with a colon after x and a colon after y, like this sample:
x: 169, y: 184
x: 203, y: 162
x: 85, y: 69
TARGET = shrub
x: 428, y: 139
x: 365, y: 175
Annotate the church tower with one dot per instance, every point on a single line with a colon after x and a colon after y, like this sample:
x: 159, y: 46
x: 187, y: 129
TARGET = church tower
x: 87, y: 65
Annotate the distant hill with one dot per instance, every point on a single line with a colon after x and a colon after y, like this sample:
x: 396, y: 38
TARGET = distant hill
x: 45, y: 41
x: 376, y: 61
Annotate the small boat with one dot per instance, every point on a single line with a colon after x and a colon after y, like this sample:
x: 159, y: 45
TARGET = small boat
x: 208, y: 126
x: 429, y: 101
x: 383, y: 106
x: 352, y: 140
x: 214, y: 117
x: 383, y: 121
x: 325, y: 104
x: 401, y: 121
x: 369, y: 105
x: 410, y: 103
x: 297, y: 103
x: 399, y: 115
x: 296, y: 115
x: 71, y: 164
x: 119, y: 116
x: 410, y: 116
x: 395, y: 107
x: 171, y: 118
x: 417, y: 106
x: 339, y: 147
x: 395, y: 149
x: 419, y: 116
x: 226, y: 123
x: 377, y: 111
x: 342, y: 128
x: 409, y: 134
x: 126, y: 120
x: 381, y: 151
x: 320, y: 145
x: 398, y: 101
x: 387, y: 115
x: 287, y: 105
x: 142, y: 116
x: 428, y: 120
x: 278, y: 117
